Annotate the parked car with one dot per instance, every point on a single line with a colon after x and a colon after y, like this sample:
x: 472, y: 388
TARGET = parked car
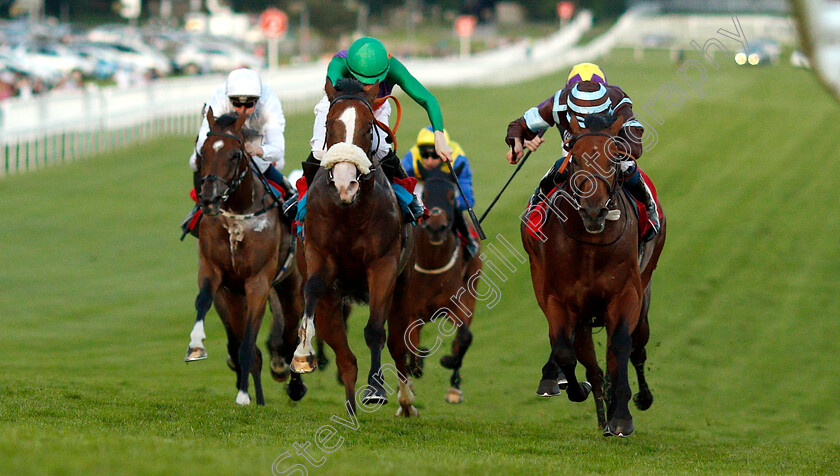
x: 204, y: 57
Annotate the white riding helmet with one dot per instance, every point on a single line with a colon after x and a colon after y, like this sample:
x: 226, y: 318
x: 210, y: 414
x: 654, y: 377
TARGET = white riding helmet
x: 243, y: 82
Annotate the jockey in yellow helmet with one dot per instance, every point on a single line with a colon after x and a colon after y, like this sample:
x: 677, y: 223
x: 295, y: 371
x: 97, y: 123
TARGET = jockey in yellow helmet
x: 586, y: 93
x: 422, y: 159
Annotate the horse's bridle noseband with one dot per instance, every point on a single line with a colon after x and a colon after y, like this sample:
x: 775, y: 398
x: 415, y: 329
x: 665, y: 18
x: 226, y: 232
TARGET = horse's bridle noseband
x: 374, y: 128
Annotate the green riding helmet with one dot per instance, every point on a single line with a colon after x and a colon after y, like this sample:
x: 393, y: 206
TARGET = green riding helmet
x: 368, y: 60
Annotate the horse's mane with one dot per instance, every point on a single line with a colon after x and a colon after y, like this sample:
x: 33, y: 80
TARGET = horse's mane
x: 226, y: 120
x: 350, y: 86
x: 597, y: 122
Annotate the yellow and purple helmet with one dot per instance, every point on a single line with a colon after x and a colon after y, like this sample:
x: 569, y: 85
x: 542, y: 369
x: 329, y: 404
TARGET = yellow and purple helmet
x: 586, y: 72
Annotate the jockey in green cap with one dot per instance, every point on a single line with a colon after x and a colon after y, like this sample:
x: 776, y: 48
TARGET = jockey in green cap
x: 368, y: 61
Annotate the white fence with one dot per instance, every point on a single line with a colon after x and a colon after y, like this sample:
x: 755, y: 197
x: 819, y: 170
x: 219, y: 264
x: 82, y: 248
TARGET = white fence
x: 56, y: 128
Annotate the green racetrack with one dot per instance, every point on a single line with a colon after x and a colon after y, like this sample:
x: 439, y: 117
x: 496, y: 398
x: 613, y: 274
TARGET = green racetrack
x: 97, y: 305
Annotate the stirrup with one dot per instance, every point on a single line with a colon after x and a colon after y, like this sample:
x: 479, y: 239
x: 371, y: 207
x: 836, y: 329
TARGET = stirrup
x: 655, y: 226
x: 290, y: 207
x: 185, y: 225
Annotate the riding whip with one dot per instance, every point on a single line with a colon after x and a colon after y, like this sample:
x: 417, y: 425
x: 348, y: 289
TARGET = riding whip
x: 521, y: 163
x: 476, y: 221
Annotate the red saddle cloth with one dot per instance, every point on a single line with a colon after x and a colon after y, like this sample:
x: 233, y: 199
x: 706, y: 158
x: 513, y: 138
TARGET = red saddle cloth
x: 539, y: 215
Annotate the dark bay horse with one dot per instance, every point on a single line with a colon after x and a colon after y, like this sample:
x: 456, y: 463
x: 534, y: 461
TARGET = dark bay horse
x: 589, y: 272
x: 357, y: 247
x: 440, y: 271
x: 242, y: 244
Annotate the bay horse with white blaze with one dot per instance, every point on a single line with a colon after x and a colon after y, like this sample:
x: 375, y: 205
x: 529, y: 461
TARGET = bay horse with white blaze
x: 242, y: 244
x: 588, y: 271
x: 441, y: 270
x: 357, y: 248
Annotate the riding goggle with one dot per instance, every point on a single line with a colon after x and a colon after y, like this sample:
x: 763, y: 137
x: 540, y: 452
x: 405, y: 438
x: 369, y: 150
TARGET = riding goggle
x: 428, y: 153
x: 246, y: 103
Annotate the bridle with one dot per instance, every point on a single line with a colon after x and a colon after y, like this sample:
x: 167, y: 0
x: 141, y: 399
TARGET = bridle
x: 374, y: 129
x: 233, y: 183
x: 612, y: 187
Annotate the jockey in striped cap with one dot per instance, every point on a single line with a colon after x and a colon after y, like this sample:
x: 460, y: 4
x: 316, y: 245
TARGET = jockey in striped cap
x: 586, y: 92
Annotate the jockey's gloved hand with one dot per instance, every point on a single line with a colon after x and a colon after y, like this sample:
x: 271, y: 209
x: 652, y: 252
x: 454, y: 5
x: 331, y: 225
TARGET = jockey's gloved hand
x: 254, y: 149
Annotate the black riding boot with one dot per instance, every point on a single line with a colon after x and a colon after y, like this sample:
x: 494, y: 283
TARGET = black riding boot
x: 548, y: 183
x: 185, y: 225
x: 461, y: 228
x: 639, y: 190
x: 393, y: 168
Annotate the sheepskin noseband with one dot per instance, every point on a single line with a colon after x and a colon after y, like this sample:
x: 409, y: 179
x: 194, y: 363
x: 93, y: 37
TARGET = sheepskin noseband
x: 346, y: 152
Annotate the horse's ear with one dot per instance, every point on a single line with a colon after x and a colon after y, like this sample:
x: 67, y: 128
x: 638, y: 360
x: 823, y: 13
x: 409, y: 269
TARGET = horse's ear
x: 329, y: 89
x: 616, y: 125
x: 240, y: 121
x: 211, y: 119
x: 574, y: 124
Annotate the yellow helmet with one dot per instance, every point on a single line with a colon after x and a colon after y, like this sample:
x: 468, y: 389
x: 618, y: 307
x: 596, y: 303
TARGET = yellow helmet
x: 586, y: 72
x: 426, y: 136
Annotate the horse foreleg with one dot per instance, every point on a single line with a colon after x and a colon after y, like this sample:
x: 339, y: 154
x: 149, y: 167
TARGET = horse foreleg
x: 585, y: 351
x: 619, y: 347
x: 276, y: 342
x: 562, y: 324
x: 250, y: 359
x: 196, y: 351
x: 330, y: 321
x: 640, y: 336
x: 398, y: 347
x: 305, y: 359
x: 381, y: 282
x: 462, y: 342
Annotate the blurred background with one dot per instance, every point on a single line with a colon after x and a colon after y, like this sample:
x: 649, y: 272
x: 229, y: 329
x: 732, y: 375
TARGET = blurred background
x: 77, y: 76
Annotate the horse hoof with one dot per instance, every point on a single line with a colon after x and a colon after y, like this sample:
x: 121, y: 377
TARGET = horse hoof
x: 304, y: 364
x: 620, y: 427
x: 411, y: 412
x: 242, y: 398
x: 548, y: 388
x: 280, y: 371
x: 230, y: 363
x: 373, y: 397
x: 454, y: 395
x: 296, y: 390
x: 449, y: 362
x: 643, y: 401
x: 195, y: 353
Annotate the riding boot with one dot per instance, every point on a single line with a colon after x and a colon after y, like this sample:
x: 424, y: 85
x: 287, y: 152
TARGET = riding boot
x: 549, y: 182
x: 310, y: 167
x: 187, y: 225
x: 640, y: 191
x: 393, y: 169
x: 469, y: 242
x: 274, y: 175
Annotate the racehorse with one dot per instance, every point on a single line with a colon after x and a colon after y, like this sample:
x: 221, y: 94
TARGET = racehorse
x: 590, y: 271
x: 357, y: 247
x: 440, y: 271
x: 242, y: 245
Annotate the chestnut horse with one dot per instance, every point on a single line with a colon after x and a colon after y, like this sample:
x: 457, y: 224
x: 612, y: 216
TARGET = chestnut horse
x: 589, y: 272
x: 358, y: 247
x: 440, y: 271
x: 243, y: 243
